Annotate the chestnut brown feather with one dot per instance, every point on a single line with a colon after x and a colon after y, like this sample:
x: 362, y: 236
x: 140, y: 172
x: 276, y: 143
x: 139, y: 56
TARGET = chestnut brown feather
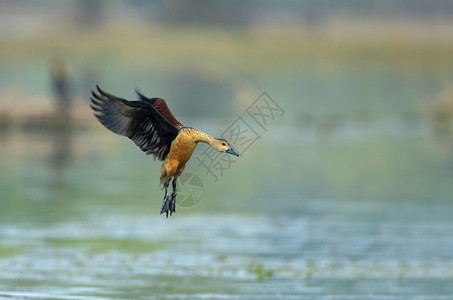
x: 161, y: 106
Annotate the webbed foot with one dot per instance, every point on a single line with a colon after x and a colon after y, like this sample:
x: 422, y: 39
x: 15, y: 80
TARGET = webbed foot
x: 172, y: 205
x: 169, y: 205
x: 165, y: 205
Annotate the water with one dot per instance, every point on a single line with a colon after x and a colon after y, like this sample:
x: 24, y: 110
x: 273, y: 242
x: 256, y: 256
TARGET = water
x: 328, y: 250
x: 88, y: 228
x: 338, y: 199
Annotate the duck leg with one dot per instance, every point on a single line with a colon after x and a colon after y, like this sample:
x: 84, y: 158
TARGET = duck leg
x: 166, y: 202
x: 173, y: 197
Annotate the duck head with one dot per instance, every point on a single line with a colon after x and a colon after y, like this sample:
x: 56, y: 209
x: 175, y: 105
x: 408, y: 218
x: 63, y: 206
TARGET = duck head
x: 224, y: 146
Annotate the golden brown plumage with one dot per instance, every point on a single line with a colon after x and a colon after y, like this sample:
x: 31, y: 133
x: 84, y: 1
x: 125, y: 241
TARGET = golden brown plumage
x: 182, y: 148
x: 151, y: 125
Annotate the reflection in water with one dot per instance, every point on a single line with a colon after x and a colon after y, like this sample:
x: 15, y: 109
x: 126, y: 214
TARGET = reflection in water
x: 61, y: 155
x: 61, y: 88
x: 62, y: 131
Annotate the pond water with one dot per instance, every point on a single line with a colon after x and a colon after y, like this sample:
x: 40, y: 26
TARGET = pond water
x: 89, y: 228
x: 327, y: 250
x: 338, y: 199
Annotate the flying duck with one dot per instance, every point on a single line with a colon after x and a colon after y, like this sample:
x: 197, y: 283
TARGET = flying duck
x: 151, y: 125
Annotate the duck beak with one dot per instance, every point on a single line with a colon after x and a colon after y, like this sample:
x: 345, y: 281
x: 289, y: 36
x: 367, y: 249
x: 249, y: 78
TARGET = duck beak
x: 231, y: 151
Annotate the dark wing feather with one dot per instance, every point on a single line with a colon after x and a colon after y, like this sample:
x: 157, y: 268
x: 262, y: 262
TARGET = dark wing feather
x: 161, y: 106
x: 143, y: 98
x: 137, y: 120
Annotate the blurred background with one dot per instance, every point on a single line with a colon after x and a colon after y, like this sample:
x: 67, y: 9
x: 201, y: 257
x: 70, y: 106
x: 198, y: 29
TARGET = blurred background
x: 345, y: 193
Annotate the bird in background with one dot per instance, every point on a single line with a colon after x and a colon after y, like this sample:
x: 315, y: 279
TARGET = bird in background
x: 151, y: 125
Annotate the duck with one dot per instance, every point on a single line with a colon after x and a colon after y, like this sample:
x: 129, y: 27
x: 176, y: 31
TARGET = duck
x: 150, y: 124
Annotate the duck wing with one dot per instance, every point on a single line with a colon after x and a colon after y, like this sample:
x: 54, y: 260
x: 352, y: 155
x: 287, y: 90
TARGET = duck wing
x: 137, y: 120
x: 161, y: 106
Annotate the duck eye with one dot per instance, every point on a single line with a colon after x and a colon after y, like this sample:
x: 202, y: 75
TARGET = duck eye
x: 223, y: 144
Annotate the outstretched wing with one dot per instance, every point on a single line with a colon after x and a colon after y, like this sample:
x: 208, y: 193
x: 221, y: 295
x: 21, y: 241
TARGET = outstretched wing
x: 161, y: 106
x: 137, y: 120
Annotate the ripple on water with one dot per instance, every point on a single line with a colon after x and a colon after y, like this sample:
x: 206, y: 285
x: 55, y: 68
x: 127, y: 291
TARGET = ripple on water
x: 326, y: 252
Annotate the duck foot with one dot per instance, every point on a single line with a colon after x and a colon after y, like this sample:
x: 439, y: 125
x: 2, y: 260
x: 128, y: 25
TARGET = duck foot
x: 165, y: 204
x: 169, y: 205
x: 172, y: 203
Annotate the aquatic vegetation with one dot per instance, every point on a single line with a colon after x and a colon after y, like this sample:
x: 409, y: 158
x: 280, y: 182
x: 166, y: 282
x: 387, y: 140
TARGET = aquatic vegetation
x: 260, y: 271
